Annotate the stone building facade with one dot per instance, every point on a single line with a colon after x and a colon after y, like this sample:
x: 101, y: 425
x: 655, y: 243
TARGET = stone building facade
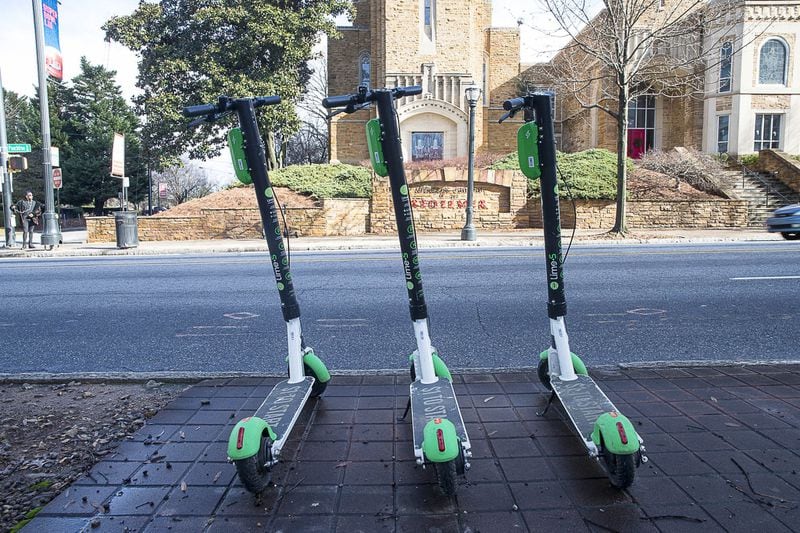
x: 750, y: 99
x: 443, y: 45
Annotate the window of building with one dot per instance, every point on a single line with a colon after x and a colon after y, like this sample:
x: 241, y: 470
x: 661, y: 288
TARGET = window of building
x: 427, y: 145
x: 485, y: 84
x: 641, y: 124
x: 767, y: 132
x: 772, y: 63
x: 427, y: 15
x: 364, y: 68
x: 725, y: 60
x: 723, y: 122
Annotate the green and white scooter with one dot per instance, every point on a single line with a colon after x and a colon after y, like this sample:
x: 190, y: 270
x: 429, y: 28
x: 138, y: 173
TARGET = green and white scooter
x: 256, y: 442
x: 440, y: 437
x: 605, y: 432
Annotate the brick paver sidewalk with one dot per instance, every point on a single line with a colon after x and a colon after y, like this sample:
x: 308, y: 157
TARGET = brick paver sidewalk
x: 723, y: 446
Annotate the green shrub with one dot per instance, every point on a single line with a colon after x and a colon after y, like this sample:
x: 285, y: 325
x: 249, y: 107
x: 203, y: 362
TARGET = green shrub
x: 325, y: 181
x: 591, y: 174
x: 749, y: 160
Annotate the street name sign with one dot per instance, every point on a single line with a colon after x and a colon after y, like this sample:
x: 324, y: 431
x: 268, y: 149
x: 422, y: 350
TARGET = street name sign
x: 19, y: 148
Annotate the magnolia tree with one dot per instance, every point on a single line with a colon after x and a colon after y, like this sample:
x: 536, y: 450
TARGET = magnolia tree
x: 619, y: 50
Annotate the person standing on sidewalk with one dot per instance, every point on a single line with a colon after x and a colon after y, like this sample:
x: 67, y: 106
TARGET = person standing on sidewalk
x: 29, y: 211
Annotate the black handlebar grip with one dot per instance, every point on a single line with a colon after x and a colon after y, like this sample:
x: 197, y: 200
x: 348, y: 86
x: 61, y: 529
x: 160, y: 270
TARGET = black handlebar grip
x: 197, y: 110
x: 266, y: 100
x: 409, y: 91
x: 514, y: 103
x: 338, y: 101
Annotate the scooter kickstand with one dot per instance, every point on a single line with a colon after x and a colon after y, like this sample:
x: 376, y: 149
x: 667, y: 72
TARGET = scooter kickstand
x: 405, y: 413
x: 549, y: 403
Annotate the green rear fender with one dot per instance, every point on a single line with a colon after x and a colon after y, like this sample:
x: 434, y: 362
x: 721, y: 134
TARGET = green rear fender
x: 246, y: 445
x: 614, y: 432
x: 439, y: 368
x: 440, y: 441
x: 316, y: 365
x: 577, y: 364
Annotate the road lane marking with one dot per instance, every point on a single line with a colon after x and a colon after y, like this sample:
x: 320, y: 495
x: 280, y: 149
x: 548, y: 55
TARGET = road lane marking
x: 756, y: 278
x: 210, y: 334
x: 220, y: 327
x: 243, y: 315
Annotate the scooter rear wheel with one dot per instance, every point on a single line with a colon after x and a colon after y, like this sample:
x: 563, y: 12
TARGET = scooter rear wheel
x: 253, y: 472
x: 621, y: 469
x: 446, y: 476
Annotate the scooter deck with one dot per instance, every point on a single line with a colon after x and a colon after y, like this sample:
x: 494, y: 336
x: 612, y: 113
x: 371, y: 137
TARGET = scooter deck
x: 282, y: 407
x: 435, y: 400
x: 584, y: 402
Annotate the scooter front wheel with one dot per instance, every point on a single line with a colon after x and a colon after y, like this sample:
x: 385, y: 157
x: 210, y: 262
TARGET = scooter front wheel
x: 446, y: 476
x: 621, y: 469
x: 318, y: 387
x: 543, y: 371
x: 254, y: 472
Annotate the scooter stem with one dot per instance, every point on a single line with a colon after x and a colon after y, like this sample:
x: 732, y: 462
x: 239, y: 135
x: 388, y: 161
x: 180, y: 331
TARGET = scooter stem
x: 558, y: 331
x: 294, y: 335
x: 424, y: 352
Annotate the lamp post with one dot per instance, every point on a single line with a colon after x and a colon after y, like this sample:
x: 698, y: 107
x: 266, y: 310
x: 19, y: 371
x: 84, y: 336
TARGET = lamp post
x: 473, y: 92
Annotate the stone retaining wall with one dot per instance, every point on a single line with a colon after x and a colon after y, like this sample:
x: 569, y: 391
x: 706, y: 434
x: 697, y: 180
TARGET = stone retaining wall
x: 600, y: 214
x: 785, y: 169
x: 335, y: 216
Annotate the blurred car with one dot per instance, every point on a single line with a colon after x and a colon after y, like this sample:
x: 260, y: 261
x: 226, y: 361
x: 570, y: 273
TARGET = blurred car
x: 159, y: 209
x: 786, y: 221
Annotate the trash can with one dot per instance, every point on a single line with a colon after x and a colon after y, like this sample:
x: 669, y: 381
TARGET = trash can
x: 127, y: 229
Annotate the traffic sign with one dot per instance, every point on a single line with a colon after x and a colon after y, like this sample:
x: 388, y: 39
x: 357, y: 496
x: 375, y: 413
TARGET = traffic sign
x: 57, y: 178
x: 19, y: 148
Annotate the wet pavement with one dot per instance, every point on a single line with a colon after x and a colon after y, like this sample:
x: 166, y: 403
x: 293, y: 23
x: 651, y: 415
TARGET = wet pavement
x: 722, y: 444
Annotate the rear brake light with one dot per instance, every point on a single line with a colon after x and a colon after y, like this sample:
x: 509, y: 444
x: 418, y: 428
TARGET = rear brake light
x: 240, y: 439
x: 440, y: 439
x: 622, y: 434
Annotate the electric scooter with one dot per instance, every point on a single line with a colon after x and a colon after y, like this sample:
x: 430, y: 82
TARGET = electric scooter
x: 439, y: 434
x: 255, y: 443
x: 605, y: 432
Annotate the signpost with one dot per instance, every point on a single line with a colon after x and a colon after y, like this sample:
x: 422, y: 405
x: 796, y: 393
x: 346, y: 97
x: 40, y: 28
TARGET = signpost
x: 118, y: 167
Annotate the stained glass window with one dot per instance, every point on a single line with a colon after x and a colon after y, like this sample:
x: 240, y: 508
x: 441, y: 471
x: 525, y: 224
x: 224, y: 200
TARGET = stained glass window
x: 772, y: 63
x: 725, y: 55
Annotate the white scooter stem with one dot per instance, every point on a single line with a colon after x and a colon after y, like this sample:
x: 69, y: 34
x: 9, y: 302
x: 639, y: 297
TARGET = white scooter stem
x: 294, y: 334
x: 424, y: 352
x: 559, y: 332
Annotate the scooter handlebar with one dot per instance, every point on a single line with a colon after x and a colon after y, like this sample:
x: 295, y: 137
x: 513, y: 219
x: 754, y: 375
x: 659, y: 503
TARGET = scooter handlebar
x: 226, y: 104
x: 513, y: 104
x: 413, y: 90
x: 198, y: 110
x: 339, y: 101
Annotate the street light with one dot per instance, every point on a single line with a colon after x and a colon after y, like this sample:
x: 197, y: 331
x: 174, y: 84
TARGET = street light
x: 473, y: 92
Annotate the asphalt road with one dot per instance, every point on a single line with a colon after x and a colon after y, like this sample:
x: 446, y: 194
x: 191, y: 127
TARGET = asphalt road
x: 487, y: 307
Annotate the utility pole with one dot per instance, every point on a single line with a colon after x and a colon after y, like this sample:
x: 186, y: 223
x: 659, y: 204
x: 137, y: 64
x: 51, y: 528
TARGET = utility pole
x: 51, y: 234
x: 8, y: 216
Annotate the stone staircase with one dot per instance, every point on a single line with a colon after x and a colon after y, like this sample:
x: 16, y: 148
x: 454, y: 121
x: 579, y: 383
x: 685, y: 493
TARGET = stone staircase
x: 762, y: 191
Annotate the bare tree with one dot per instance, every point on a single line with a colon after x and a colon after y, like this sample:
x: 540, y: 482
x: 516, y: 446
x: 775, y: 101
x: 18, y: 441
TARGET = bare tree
x: 633, y: 48
x: 184, y: 183
x: 310, y: 143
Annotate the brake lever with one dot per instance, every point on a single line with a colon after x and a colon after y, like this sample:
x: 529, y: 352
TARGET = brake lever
x: 351, y: 108
x: 208, y: 118
x: 507, y: 116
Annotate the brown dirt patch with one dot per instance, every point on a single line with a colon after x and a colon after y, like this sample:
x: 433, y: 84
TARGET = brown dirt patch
x: 646, y: 184
x: 237, y: 197
x: 52, y: 434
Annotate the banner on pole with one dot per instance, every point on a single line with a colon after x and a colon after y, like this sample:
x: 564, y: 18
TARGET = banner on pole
x: 118, y: 156
x: 162, y: 190
x: 57, y: 181
x: 52, y: 48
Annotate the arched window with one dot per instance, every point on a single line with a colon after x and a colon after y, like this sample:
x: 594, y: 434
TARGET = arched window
x: 772, y: 63
x: 363, y: 69
x: 725, y: 60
